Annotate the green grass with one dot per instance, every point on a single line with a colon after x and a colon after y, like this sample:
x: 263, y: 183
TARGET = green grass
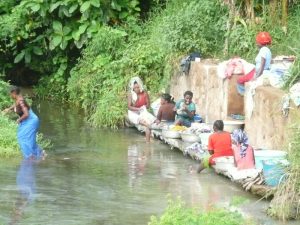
x: 177, y: 213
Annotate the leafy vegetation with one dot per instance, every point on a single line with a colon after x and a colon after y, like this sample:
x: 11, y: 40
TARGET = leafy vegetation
x: 178, y: 213
x: 98, y: 82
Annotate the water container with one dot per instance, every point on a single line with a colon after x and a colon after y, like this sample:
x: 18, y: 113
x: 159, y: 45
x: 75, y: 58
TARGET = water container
x: 197, y: 118
x: 273, y: 172
x: 261, y: 155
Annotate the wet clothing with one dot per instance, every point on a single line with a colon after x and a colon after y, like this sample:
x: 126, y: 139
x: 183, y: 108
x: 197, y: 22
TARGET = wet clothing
x: 182, y: 116
x: 27, y: 131
x: 142, y: 99
x: 220, y: 143
x: 265, y: 53
x: 166, y: 112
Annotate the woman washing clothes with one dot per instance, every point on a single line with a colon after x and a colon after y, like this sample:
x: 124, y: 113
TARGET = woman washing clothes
x: 28, y: 124
x: 138, y: 103
x: 219, y: 144
x: 185, y: 109
x: 166, y: 113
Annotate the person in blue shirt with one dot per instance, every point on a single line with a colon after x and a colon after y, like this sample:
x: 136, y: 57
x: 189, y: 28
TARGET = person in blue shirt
x: 185, y: 110
x: 264, y: 56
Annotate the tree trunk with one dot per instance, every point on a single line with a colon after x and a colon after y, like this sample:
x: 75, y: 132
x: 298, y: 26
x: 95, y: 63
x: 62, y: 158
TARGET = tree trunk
x: 284, y: 17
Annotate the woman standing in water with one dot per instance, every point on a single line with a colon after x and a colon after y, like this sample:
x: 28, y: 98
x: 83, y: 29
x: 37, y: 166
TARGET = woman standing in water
x: 28, y: 124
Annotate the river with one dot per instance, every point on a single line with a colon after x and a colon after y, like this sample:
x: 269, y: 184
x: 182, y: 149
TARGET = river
x: 108, y: 177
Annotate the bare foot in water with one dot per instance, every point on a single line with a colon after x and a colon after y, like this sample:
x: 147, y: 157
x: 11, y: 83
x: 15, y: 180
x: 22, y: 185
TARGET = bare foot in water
x: 44, y: 155
x: 201, y: 167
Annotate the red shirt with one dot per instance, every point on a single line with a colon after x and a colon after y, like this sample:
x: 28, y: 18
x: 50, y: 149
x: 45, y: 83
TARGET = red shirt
x: 141, y: 100
x: 220, y: 143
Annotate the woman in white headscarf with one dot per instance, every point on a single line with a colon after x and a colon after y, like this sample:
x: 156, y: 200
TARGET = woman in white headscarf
x: 138, y: 103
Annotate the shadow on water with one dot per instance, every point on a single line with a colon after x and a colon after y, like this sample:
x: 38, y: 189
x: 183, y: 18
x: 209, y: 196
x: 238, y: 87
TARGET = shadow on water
x: 106, y: 177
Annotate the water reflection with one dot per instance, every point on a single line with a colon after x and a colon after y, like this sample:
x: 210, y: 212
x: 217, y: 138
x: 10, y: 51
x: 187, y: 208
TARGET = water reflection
x: 137, y: 160
x: 26, y: 186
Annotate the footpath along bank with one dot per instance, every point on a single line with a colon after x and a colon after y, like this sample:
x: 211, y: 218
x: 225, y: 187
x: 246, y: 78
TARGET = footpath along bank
x: 265, y: 119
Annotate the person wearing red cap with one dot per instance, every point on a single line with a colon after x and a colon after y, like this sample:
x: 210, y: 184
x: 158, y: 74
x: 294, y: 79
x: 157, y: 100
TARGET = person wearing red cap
x: 264, y: 56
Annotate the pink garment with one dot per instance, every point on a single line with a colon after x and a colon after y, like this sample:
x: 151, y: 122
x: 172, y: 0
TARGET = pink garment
x: 238, y: 66
x: 246, y: 162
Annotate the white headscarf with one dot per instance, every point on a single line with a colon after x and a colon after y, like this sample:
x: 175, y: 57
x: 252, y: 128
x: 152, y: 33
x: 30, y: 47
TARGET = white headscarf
x: 131, y: 86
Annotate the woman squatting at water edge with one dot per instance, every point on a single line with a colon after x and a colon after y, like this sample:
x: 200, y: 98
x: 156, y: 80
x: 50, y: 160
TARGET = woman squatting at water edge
x: 28, y: 124
x: 219, y: 144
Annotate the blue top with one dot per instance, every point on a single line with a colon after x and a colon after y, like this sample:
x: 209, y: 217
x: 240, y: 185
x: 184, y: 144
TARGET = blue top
x: 265, y: 53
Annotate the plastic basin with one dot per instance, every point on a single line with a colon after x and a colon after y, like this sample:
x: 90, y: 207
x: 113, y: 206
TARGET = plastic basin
x: 260, y: 155
x: 273, y: 172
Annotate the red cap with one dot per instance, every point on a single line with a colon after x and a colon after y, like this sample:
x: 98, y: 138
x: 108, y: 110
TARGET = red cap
x: 264, y: 38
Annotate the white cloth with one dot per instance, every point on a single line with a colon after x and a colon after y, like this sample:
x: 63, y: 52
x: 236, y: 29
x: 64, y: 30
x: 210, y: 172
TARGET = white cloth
x: 131, y: 86
x: 142, y: 116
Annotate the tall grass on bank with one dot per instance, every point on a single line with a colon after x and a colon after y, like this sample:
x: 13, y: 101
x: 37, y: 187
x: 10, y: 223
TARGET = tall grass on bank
x: 286, y: 202
x: 178, y: 213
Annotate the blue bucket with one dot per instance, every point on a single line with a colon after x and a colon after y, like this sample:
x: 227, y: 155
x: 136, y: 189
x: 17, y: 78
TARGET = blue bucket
x: 273, y: 172
x: 198, y: 118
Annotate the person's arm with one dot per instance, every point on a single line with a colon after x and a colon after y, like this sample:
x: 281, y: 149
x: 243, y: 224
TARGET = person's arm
x: 129, y: 104
x: 147, y: 100
x: 24, y: 110
x: 191, y: 113
x: 9, y: 109
x: 159, y: 115
x: 210, y: 146
x: 262, y: 66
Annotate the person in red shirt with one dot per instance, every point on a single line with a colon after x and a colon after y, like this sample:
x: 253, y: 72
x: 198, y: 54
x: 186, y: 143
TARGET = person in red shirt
x: 219, y: 144
x: 138, y: 103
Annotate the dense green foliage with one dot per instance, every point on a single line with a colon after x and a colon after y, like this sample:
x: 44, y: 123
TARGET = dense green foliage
x: 46, y: 36
x: 98, y: 82
x: 177, y: 213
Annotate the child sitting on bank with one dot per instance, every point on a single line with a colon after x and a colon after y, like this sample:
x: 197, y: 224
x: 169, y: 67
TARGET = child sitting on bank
x: 185, y: 109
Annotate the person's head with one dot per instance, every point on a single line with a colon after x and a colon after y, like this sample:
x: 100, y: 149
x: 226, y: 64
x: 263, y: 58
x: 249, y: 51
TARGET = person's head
x: 14, y: 91
x: 263, y: 38
x: 165, y: 98
x: 188, y: 96
x: 136, y: 87
x: 218, y: 125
